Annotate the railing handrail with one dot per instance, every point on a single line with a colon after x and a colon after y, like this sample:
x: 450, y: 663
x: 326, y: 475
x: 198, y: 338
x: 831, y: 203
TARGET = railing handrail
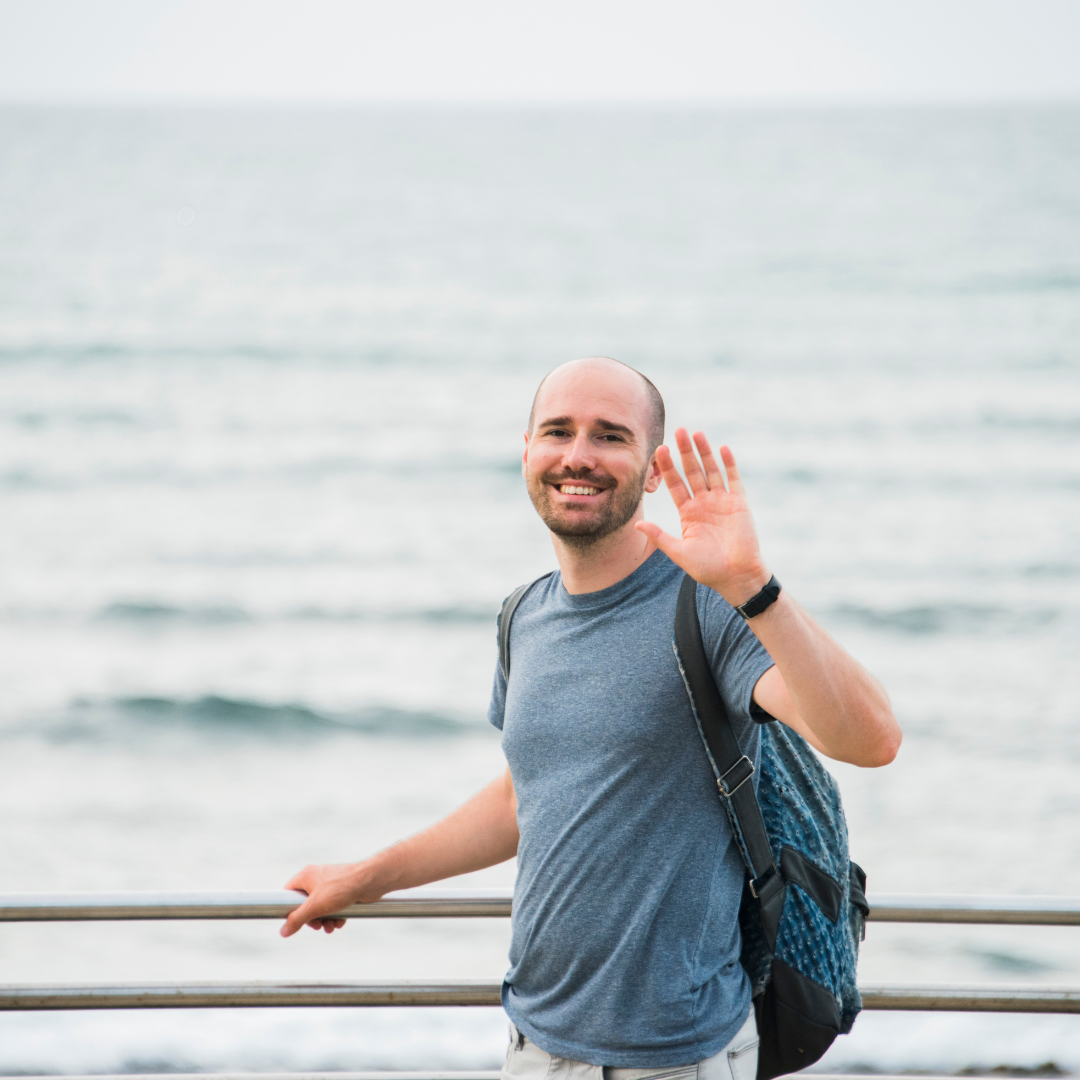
x: 216, y: 995
x: 266, y: 904
x: 481, y: 903
x: 377, y: 1074
x: 422, y: 1074
x: 468, y: 1074
x: 1010, y: 910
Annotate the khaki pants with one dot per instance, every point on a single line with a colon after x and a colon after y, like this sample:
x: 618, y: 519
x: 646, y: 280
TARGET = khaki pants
x: 737, y: 1061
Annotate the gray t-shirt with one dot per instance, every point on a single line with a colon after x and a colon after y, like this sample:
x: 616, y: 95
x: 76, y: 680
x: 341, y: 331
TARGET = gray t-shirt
x: 625, y: 936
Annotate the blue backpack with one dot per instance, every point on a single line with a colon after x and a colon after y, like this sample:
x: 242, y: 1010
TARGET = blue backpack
x: 804, y: 902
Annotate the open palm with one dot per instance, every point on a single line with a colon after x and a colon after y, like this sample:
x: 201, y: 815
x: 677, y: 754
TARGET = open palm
x: 719, y: 545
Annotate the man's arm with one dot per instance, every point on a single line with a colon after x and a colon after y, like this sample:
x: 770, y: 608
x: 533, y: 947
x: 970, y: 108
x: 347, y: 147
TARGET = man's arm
x: 481, y: 833
x: 816, y: 687
x: 819, y: 690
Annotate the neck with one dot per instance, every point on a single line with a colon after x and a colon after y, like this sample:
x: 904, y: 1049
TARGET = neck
x: 604, y: 563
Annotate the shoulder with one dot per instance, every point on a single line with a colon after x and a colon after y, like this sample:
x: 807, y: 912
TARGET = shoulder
x: 529, y: 594
x: 738, y: 658
x: 727, y: 637
x: 533, y: 591
x: 716, y: 615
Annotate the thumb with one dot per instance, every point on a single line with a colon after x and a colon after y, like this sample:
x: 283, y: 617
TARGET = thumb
x: 296, y: 919
x: 671, y: 547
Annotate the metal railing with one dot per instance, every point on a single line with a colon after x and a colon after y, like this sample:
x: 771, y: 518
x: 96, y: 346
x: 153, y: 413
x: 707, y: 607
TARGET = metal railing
x: 482, y: 903
x: 276, y: 904
x: 469, y: 1074
x: 488, y: 903
x: 219, y: 995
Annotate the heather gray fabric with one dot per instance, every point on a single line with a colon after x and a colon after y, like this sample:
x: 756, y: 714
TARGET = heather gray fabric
x: 625, y: 937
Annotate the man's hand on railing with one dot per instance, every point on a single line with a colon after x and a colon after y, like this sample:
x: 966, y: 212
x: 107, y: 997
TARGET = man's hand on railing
x: 329, y: 889
x: 481, y: 833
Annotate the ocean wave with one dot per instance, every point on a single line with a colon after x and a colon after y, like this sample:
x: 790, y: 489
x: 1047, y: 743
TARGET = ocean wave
x: 1052, y: 569
x: 301, y: 349
x: 34, y: 420
x: 149, y: 611
x: 1009, y: 962
x: 1039, y: 425
x: 47, y: 350
x: 928, y: 619
x: 1049, y: 280
x: 124, y: 718
x: 143, y: 612
x: 162, y: 474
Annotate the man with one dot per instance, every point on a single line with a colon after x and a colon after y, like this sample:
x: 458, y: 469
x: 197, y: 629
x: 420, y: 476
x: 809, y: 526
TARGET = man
x: 625, y: 940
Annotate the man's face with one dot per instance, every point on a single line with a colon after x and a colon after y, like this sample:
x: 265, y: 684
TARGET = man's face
x: 586, y: 462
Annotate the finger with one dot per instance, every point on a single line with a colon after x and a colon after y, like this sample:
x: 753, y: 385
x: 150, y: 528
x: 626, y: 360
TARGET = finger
x: 694, y: 475
x: 712, y: 471
x: 675, y: 485
x: 734, y: 479
x: 671, y: 547
x: 305, y: 914
x: 296, y: 919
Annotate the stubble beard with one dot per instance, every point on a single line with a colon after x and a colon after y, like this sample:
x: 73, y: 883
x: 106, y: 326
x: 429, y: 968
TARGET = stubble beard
x: 581, y: 527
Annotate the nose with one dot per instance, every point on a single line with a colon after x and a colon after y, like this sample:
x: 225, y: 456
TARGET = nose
x: 579, y: 454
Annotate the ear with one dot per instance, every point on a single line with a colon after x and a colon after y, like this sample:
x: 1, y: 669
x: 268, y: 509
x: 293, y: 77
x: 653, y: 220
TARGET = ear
x: 525, y: 458
x: 653, y: 476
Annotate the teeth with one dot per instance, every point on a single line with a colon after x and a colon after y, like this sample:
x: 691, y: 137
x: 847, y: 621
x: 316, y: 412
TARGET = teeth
x: 572, y: 489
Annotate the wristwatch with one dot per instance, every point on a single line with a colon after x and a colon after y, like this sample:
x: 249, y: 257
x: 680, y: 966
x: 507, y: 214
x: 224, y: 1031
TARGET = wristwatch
x: 760, y: 601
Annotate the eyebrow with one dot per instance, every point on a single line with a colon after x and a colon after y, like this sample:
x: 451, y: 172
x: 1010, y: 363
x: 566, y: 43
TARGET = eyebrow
x: 604, y: 425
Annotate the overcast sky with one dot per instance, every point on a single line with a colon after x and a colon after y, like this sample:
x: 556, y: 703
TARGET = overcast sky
x: 554, y: 51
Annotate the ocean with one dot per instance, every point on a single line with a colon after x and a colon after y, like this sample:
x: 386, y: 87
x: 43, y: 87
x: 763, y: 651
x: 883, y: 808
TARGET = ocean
x: 264, y: 375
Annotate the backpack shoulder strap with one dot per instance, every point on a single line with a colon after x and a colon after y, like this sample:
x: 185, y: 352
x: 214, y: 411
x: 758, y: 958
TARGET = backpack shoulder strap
x: 732, y: 767
x: 506, y: 616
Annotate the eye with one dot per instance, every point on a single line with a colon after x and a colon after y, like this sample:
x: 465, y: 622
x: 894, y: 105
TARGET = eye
x: 557, y: 432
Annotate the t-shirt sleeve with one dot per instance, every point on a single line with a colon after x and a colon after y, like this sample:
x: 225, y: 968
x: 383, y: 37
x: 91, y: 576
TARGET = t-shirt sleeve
x: 736, y: 656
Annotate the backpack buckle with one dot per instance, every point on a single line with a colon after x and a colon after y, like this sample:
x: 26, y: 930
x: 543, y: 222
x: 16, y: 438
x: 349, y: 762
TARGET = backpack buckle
x: 735, y: 777
x: 766, y: 886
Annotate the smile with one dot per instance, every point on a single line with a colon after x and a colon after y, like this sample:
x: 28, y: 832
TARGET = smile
x: 577, y: 489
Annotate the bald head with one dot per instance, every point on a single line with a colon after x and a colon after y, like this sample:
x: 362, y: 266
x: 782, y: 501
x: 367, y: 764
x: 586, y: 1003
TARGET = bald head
x: 651, y: 402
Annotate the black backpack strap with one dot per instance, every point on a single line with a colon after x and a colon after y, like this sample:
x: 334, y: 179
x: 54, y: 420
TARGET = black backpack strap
x: 732, y: 767
x: 506, y: 616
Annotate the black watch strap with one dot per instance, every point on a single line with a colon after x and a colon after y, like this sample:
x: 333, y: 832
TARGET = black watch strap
x: 759, y: 602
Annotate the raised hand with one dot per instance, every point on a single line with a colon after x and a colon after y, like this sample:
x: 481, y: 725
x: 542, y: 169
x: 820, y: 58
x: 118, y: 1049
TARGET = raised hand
x: 719, y: 545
